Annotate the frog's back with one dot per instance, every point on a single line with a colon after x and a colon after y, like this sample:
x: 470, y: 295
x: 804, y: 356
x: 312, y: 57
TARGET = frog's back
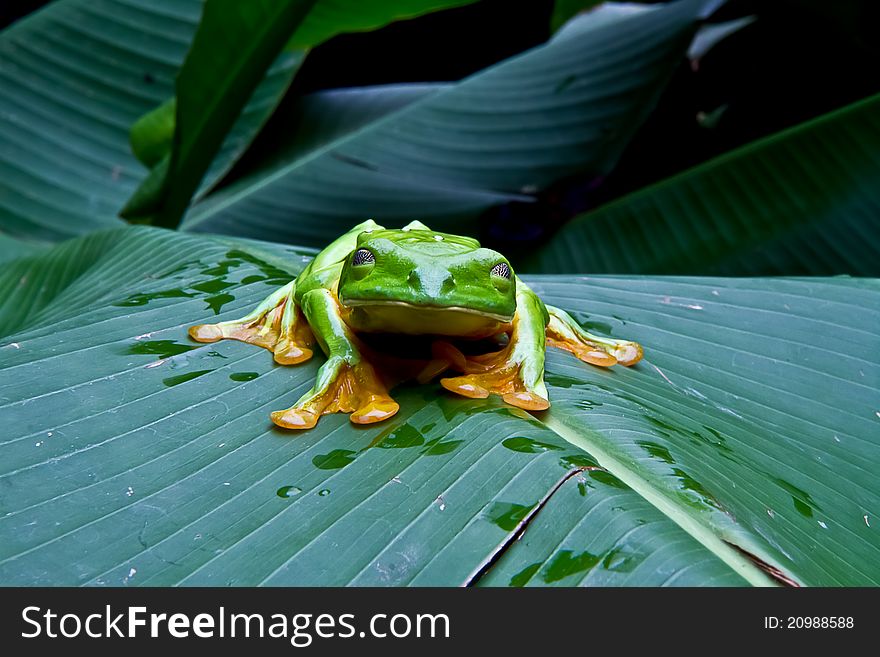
x: 416, y: 238
x: 424, y: 242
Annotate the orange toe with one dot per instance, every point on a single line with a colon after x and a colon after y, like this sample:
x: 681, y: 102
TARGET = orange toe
x: 295, y: 418
x: 375, y: 411
x: 287, y: 353
x: 461, y: 386
x: 629, y: 354
x: 205, y: 333
x: 528, y: 401
x: 596, y: 357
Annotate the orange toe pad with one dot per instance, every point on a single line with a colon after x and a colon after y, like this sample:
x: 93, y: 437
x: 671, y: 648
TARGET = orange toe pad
x: 527, y: 401
x: 205, y: 333
x: 375, y: 411
x: 295, y: 418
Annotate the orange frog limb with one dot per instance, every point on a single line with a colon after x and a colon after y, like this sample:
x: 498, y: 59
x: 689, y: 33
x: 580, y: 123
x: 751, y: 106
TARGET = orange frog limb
x: 563, y: 332
x: 346, y: 382
x: 516, y: 372
x: 277, y: 324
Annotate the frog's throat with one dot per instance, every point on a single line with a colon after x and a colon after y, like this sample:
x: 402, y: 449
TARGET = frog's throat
x: 366, y: 303
x: 419, y: 319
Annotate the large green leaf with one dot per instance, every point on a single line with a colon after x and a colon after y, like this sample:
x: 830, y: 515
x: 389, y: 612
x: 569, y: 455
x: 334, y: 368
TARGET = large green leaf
x: 576, y: 541
x: 318, y: 119
x: 133, y: 456
x: 233, y: 47
x: 758, y: 403
x: 74, y: 76
x: 567, y: 106
x: 803, y: 201
x: 11, y: 248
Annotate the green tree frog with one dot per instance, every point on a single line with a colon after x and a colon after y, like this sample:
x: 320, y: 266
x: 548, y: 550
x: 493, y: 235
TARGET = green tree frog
x: 412, y: 281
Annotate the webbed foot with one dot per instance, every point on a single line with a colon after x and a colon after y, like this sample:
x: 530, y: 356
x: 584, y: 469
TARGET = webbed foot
x: 347, y: 382
x: 516, y: 372
x: 496, y: 373
x: 340, y: 387
x: 276, y: 324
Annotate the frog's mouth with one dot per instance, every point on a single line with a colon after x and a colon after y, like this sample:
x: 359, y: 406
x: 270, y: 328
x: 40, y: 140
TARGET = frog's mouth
x: 383, y: 315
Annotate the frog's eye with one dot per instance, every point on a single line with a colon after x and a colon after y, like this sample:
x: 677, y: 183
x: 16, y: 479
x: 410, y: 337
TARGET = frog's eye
x: 363, y: 257
x: 502, y: 269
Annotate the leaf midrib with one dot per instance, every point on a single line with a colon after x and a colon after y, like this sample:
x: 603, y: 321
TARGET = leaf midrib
x: 721, y: 548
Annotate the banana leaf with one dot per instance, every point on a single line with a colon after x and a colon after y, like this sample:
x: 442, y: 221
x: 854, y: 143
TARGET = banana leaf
x: 741, y: 451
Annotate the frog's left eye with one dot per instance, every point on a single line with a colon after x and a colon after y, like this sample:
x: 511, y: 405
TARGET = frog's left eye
x: 502, y: 269
x: 363, y: 257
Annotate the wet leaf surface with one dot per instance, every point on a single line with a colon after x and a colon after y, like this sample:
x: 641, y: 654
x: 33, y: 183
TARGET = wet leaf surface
x: 728, y: 431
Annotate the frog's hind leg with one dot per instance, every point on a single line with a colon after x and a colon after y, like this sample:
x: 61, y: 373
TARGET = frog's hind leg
x: 276, y: 324
x: 517, y: 371
x: 564, y: 332
x: 346, y: 382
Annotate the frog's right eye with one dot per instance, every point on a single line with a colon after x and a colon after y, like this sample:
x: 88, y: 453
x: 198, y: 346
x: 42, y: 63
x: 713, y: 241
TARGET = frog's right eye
x: 502, y: 270
x: 363, y: 257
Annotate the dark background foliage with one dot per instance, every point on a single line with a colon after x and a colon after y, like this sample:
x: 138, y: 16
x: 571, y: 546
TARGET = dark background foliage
x: 787, y: 67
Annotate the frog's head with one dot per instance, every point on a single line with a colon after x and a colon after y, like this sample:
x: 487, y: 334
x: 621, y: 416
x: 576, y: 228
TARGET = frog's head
x: 423, y: 282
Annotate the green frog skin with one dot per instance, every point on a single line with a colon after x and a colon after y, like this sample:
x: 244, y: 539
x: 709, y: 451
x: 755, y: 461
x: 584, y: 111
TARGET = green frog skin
x: 411, y: 281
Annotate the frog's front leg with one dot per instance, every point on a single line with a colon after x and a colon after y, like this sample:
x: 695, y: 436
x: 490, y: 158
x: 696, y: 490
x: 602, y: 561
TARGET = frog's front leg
x: 276, y: 324
x: 347, y: 382
x: 564, y: 332
x: 517, y: 371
